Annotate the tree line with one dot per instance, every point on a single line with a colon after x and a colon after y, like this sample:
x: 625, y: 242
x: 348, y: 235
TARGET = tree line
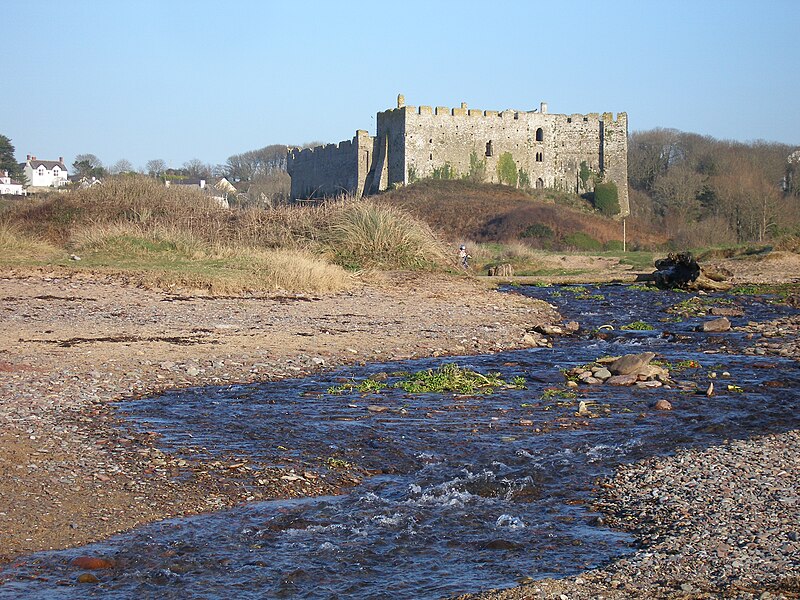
x: 703, y: 191
x: 259, y: 175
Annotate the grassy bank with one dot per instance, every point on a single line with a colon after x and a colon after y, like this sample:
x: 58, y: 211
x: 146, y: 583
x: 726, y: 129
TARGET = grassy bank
x: 167, y: 237
x: 175, y: 238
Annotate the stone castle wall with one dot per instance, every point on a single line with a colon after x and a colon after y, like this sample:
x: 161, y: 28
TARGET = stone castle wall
x: 411, y: 142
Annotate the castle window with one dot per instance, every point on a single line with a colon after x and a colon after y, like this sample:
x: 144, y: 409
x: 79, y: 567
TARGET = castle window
x: 585, y: 119
x: 539, y: 134
x: 430, y: 141
x: 489, y: 148
x: 430, y: 156
x: 539, y: 183
x: 539, y: 156
x: 569, y: 119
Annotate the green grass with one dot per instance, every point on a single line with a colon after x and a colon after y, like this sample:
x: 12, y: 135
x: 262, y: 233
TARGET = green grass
x: 448, y: 378
x: 637, y: 326
x: 639, y: 260
x: 552, y: 393
x: 781, y: 291
x: 366, y: 386
x: 696, y: 306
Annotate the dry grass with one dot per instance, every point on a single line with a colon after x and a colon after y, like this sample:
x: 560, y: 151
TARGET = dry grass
x: 789, y: 243
x: 166, y: 256
x: 366, y: 234
x: 168, y: 237
x: 15, y: 244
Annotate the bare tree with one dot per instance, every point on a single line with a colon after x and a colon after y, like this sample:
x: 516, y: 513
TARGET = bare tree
x: 123, y: 165
x: 270, y: 190
x: 250, y: 165
x: 678, y: 191
x: 155, y: 167
x: 197, y: 168
x: 650, y: 154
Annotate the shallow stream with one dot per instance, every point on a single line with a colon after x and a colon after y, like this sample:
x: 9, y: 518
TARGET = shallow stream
x: 475, y: 492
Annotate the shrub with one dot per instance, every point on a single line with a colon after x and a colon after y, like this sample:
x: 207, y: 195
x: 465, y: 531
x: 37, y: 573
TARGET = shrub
x: 613, y: 245
x: 606, y: 198
x: 538, y: 230
x: 581, y: 241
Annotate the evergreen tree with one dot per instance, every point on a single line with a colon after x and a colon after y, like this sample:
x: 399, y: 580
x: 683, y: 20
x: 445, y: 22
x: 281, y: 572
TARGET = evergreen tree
x: 8, y: 161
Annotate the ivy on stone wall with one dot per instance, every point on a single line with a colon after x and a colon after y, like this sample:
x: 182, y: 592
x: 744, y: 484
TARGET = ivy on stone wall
x: 446, y: 171
x: 585, y: 173
x: 524, y: 180
x: 507, y: 169
x: 477, y: 168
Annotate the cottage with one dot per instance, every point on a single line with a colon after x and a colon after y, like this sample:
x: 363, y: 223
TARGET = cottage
x: 9, y: 186
x: 45, y: 173
x: 217, y: 191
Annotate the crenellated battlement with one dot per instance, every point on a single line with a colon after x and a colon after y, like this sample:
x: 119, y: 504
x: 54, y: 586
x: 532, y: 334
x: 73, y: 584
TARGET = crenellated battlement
x: 463, y: 111
x: 415, y: 141
x: 319, y: 151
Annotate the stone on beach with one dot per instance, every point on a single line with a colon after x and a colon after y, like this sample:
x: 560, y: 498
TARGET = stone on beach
x: 715, y: 325
x: 622, y: 379
x: 631, y: 363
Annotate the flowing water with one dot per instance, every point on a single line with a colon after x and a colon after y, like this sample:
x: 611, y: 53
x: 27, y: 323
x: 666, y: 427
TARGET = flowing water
x: 474, y: 492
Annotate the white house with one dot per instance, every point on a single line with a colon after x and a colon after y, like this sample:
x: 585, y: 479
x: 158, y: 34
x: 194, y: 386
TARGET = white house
x: 218, y: 191
x: 45, y: 173
x: 9, y: 186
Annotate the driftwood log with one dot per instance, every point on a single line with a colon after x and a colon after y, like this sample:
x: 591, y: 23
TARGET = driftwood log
x: 681, y: 270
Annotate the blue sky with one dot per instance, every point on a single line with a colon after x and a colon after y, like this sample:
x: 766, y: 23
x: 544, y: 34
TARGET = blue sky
x: 179, y: 80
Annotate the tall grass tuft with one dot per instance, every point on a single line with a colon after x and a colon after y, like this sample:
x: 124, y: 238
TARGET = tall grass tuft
x: 368, y: 234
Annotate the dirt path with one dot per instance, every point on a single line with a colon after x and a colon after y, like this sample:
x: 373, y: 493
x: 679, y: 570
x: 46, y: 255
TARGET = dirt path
x: 71, y: 345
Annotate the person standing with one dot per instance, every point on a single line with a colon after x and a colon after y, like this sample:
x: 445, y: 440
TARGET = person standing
x: 463, y: 257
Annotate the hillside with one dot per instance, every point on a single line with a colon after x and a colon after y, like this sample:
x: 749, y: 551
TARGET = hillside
x: 460, y: 210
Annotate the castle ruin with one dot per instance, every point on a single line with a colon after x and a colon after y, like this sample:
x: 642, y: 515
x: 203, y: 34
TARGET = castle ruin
x: 564, y: 152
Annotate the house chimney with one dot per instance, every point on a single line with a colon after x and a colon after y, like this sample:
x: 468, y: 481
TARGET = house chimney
x: 61, y: 159
x: 29, y: 157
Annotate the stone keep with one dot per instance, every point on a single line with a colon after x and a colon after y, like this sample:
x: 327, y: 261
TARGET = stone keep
x: 564, y: 152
